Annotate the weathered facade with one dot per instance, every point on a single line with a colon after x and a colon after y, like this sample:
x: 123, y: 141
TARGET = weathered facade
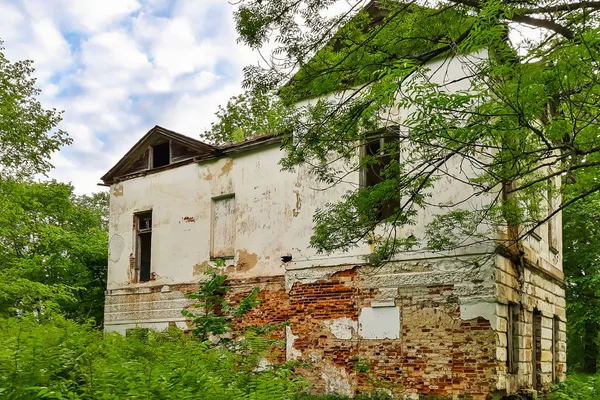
x: 473, y: 323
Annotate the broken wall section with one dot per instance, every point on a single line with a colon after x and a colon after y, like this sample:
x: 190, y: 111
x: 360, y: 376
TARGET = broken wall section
x: 405, y: 319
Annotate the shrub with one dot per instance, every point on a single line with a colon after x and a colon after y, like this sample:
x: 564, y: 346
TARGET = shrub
x: 64, y: 360
x: 577, y: 387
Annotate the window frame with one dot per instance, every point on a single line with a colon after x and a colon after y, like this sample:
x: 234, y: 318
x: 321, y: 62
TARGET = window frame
x: 139, y: 231
x: 213, y: 253
x: 383, y: 135
x: 512, y: 338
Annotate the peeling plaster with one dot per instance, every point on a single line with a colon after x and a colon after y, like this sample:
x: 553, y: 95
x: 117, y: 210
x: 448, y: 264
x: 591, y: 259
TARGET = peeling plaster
x: 336, y: 380
x: 225, y: 169
x: 131, y: 272
x: 290, y: 352
x: 312, y: 275
x: 118, y: 190
x: 246, y: 261
x: 208, y: 176
x: 116, y: 247
x: 342, y: 328
x: 478, y: 308
x: 296, y: 210
x: 201, y: 268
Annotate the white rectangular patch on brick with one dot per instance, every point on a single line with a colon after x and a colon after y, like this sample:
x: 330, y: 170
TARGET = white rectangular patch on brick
x: 379, y: 323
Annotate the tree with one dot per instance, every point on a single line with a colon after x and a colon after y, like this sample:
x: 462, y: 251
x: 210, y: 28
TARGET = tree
x: 581, y: 244
x: 216, y: 316
x: 528, y: 114
x: 248, y: 115
x: 53, y: 244
x: 27, y: 138
x: 53, y: 250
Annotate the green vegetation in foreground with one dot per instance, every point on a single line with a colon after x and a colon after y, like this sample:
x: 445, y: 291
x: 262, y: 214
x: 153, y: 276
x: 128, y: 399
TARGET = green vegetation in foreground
x: 60, y: 359
x: 577, y: 387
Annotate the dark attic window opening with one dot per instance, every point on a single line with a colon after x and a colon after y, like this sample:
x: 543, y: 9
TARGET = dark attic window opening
x: 161, y: 155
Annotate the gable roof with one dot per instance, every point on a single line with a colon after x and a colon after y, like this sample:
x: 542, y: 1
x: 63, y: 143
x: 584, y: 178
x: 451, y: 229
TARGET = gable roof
x: 199, y: 151
x: 153, y: 136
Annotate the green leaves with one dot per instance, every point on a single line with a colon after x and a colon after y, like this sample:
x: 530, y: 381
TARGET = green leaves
x: 249, y: 115
x: 480, y: 114
x: 53, y: 255
x: 60, y: 359
x: 216, y: 316
x: 27, y: 135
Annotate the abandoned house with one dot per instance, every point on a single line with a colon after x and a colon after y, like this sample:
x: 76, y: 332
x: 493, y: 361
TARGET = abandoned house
x: 436, y: 325
x: 441, y: 325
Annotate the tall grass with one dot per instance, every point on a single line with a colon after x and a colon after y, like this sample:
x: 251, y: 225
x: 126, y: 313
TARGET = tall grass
x: 60, y: 359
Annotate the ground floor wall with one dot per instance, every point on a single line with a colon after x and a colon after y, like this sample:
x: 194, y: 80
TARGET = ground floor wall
x: 537, y: 298
x: 428, y: 327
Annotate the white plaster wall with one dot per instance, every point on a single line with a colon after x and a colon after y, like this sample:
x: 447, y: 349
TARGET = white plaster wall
x: 452, y: 75
x: 180, y: 199
x: 274, y: 209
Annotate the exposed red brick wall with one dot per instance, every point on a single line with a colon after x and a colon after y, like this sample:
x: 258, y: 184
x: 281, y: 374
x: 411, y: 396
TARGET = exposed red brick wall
x: 273, y: 308
x: 438, y: 353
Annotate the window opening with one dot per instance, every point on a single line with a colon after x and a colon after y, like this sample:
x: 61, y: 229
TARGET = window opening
x: 161, y: 155
x: 379, y: 147
x: 536, y: 351
x: 144, y: 245
x: 512, y: 343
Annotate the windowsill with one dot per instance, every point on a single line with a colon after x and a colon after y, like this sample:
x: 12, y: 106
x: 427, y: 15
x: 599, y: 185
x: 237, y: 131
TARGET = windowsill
x: 536, y: 236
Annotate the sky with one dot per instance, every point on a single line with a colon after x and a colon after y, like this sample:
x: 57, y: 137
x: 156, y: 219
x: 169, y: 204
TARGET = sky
x: 119, y: 67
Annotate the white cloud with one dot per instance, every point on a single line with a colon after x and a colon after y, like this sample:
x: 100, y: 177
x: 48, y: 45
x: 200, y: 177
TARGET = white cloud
x: 120, y: 67
x: 191, y: 115
x: 83, y: 137
x: 81, y: 15
x: 113, y: 59
x: 13, y: 21
x: 92, y: 15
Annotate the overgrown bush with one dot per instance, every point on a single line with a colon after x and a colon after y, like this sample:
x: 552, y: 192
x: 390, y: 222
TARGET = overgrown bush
x: 577, y: 387
x: 64, y: 360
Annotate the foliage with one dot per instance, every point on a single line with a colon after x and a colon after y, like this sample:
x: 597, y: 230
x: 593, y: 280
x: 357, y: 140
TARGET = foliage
x: 216, y: 315
x: 246, y: 116
x: 60, y: 359
x: 27, y: 138
x: 53, y: 250
x: 517, y: 115
x: 581, y: 245
x: 577, y: 387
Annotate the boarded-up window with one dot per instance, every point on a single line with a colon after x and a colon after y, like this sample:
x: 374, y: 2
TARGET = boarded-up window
x: 141, y: 164
x: 223, y: 227
x: 181, y: 152
x: 512, y: 342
